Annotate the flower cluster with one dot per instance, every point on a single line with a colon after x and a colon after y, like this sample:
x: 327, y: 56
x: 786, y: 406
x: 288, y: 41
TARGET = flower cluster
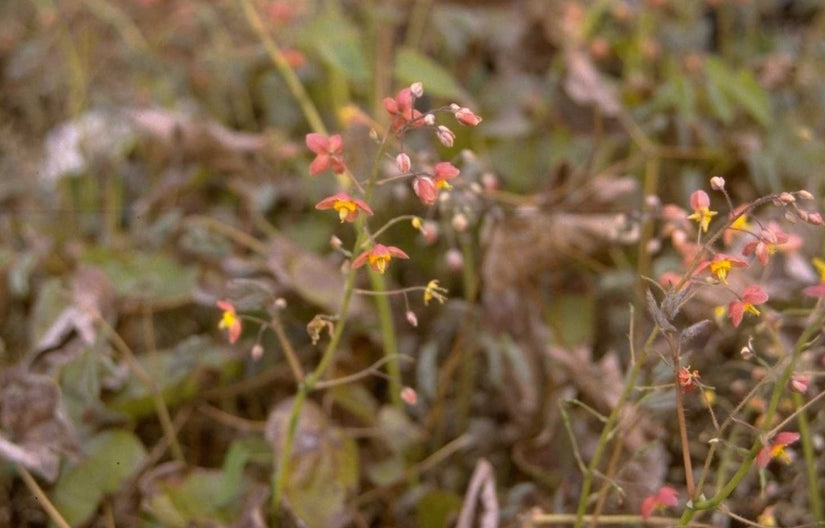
x: 763, y: 241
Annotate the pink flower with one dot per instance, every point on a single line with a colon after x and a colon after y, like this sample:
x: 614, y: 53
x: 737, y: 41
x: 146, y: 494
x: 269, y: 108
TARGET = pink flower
x: 442, y: 172
x: 426, y: 190
x: 328, y: 153
x: 229, y: 321
x: 752, y: 296
x: 347, y: 206
x: 466, y: 117
x: 666, y: 496
x: 402, y: 111
x: 378, y: 257
x: 776, y: 449
x: 721, y: 265
x: 766, y: 245
x: 700, y: 203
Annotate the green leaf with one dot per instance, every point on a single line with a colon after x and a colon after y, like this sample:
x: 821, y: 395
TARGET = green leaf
x: 112, y: 456
x: 322, y: 470
x: 337, y: 41
x: 153, y: 277
x: 412, y: 66
x: 741, y: 88
x: 437, y: 508
x: 180, y: 373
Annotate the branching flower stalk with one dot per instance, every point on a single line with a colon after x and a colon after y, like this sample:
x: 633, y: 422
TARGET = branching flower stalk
x: 779, y: 388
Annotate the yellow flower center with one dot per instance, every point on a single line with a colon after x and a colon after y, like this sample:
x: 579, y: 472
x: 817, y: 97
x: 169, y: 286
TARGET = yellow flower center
x: 703, y: 216
x: 344, y: 208
x: 751, y: 308
x: 379, y: 262
x: 720, y: 269
x: 228, y: 320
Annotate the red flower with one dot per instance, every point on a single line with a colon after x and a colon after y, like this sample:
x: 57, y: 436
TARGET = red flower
x: 442, y: 172
x: 721, y: 265
x: 688, y: 379
x: 346, y: 205
x: 378, y: 257
x: 700, y: 203
x: 328, y: 153
x: 776, y: 449
x: 229, y: 321
x: 752, y: 296
x: 766, y: 245
x: 401, y: 109
x: 666, y: 496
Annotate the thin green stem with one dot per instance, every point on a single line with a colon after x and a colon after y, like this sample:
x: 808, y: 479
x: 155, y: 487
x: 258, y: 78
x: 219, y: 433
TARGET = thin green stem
x: 280, y: 473
x: 778, y: 389
x: 390, y: 342
x: 41, y: 497
x: 293, y: 83
x: 610, y: 424
x: 814, y: 496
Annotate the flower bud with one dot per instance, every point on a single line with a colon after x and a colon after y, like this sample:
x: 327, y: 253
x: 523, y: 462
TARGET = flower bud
x: 786, y: 198
x: 409, y: 396
x: 466, y: 117
x: 417, y: 89
x: 805, y: 195
x: 411, y: 318
x: 335, y: 242
x: 717, y: 183
x: 455, y: 260
x: 799, y: 383
x: 460, y: 222
x: 814, y: 218
x: 256, y: 352
x: 445, y: 135
x: 280, y: 303
x: 429, y: 119
x: 424, y: 187
x: 429, y: 229
x: 403, y: 162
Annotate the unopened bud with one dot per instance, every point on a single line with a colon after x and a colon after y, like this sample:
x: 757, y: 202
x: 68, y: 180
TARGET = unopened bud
x: 412, y: 319
x: 445, y: 136
x: 429, y: 229
x: 815, y: 218
x: 799, y: 383
x: 429, y: 119
x: 335, y: 242
x: 417, y: 89
x: 403, y: 162
x: 717, y: 183
x: 786, y: 198
x: 467, y: 117
x: 409, y: 396
x: 460, y: 222
x: 256, y: 352
x: 280, y: 303
x: 455, y: 260
x: 489, y: 181
x: 805, y: 195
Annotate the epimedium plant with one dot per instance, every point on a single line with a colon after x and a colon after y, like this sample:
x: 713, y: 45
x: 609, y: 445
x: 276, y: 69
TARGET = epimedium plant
x: 352, y: 205
x: 739, y: 244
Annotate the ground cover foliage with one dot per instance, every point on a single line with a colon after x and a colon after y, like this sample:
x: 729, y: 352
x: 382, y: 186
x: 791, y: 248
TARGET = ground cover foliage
x: 621, y: 211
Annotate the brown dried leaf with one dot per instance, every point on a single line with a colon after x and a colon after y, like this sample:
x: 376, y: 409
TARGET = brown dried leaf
x: 36, y: 428
x: 585, y: 85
